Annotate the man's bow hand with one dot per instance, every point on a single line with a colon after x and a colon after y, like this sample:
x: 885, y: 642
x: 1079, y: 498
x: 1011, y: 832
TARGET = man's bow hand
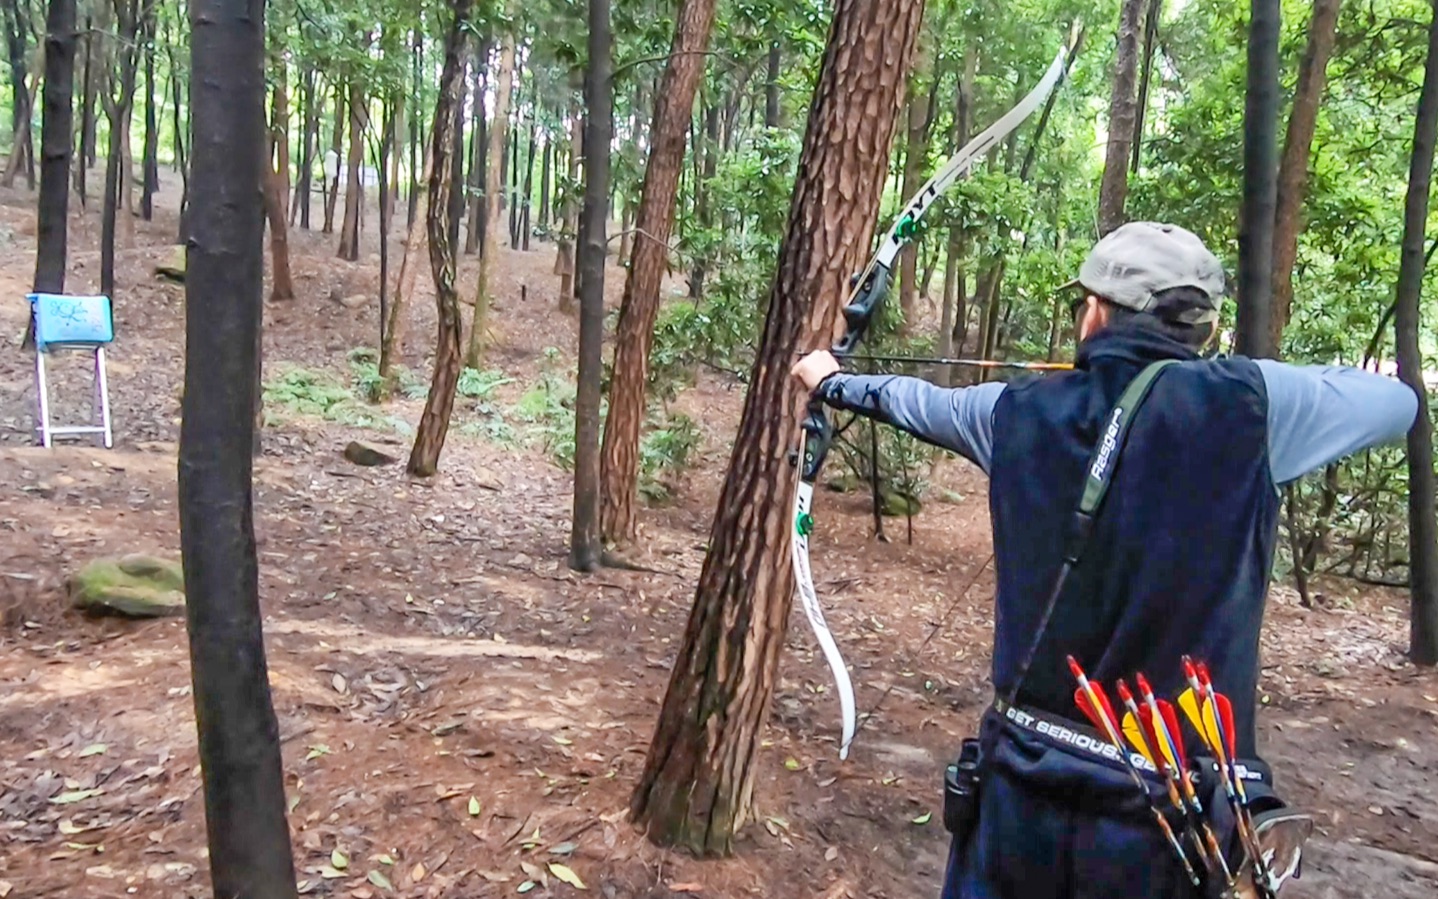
x: 814, y: 368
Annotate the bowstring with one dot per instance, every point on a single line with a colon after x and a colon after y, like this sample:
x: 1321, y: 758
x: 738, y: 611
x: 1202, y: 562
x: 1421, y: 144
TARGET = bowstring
x: 914, y: 656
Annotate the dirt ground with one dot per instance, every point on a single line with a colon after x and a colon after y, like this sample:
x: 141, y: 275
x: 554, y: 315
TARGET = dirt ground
x: 459, y: 710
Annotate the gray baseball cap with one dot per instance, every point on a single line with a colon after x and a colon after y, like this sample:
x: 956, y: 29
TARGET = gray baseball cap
x: 1136, y: 261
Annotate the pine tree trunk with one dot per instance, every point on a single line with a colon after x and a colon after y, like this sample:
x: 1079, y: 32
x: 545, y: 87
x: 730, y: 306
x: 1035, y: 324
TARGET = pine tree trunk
x: 311, y: 117
x: 1422, y: 495
x: 336, y: 145
x: 150, y: 163
x: 386, y: 215
x: 1260, y: 183
x: 54, y: 201
x: 478, y: 157
x: 585, y: 545
x: 415, y: 124
x: 524, y: 228
x: 1150, y: 37
x: 239, y: 745
x: 492, y: 190
x: 456, y: 187
x: 1293, y: 168
x: 697, y: 786
x: 349, y: 247
x: 1113, y: 190
x: 674, y: 104
x: 434, y: 422
x: 569, y: 219
x: 22, y: 85
x: 87, y: 117
x: 915, y: 158
x: 703, y: 209
x: 277, y: 187
x: 772, y: 109
x: 546, y: 163
x: 414, y: 248
x: 955, y: 329
x: 181, y: 138
x: 117, y: 162
x: 512, y: 182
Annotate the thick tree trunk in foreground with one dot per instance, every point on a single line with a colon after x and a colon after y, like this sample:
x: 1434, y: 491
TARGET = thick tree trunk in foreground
x: 1293, y: 168
x: 1122, y: 109
x: 1422, y: 495
x: 54, y: 201
x: 434, y: 422
x: 585, y: 545
x: 696, y: 790
x: 492, y: 190
x: 1260, y: 183
x: 239, y: 742
x: 673, y: 106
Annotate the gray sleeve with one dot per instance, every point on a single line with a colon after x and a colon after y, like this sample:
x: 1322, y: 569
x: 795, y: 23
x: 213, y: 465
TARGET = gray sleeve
x: 1320, y: 413
x: 960, y: 419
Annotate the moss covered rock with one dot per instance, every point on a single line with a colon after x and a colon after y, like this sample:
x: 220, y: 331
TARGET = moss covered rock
x: 137, y: 586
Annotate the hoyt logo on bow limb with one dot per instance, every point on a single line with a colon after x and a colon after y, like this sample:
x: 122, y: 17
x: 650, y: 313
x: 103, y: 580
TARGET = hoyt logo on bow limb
x: 859, y: 309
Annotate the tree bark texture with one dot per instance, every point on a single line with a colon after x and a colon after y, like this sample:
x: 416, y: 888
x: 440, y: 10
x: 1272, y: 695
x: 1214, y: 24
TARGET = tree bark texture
x: 1260, y: 182
x: 585, y: 544
x: 569, y: 213
x: 696, y: 790
x: 493, y: 188
x: 240, y: 764
x: 1293, y: 167
x: 1422, y: 495
x: 1113, y: 190
x: 634, y: 337
x: 54, y: 202
x: 434, y: 421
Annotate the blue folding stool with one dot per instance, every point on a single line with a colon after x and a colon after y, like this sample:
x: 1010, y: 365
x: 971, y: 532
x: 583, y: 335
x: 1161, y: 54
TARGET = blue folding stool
x: 83, y: 324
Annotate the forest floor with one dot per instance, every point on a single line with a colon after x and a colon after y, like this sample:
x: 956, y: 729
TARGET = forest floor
x: 458, y: 709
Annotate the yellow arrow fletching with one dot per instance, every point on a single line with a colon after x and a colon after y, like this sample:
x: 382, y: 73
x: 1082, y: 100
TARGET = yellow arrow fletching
x: 1203, y: 722
x: 1134, y: 733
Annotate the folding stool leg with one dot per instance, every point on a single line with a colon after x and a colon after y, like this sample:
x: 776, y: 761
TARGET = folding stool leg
x: 104, y: 389
x: 41, y: 391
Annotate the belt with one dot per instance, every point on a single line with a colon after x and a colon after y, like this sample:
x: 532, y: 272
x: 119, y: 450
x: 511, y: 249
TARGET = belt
x: 1070, y: 736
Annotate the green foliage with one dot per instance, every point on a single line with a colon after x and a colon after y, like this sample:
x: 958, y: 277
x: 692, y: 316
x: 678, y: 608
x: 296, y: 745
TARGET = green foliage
x: 664, y: 453
x: 303, y: 392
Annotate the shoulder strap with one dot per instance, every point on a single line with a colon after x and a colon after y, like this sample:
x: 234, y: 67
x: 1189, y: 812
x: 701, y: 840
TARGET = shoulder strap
x: 1099, y: 474
x: 1098, y: 477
